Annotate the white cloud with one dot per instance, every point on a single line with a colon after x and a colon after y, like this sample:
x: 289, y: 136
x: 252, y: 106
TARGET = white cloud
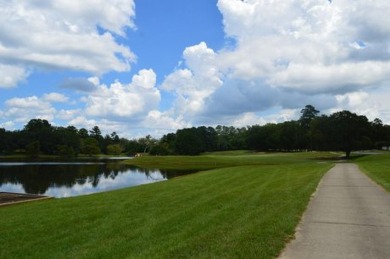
x: 63, y: 34
x: 163, y: 122
x: 55, y: 98
x: 342, y: 77
x: 83, y: 122
x: 126, y: 101
x: 308, y: 45
x: 24, y: 109
x: 373, y: 104
x: 288, y: 53
x: 10, y: 76
x: 196, y: 82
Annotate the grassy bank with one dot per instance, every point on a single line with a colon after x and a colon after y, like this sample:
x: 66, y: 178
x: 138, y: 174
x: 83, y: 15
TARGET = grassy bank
x: 242, y: 211
x: 228, y: 159
x: 377, y: 167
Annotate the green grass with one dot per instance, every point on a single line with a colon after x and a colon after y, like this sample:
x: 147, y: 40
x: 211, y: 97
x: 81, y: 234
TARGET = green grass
x: 243, y: 211
x: 377, y: 167
x: 216, y: 160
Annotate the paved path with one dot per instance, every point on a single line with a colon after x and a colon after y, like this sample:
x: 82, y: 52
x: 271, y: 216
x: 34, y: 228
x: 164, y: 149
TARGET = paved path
x: 349, y: 217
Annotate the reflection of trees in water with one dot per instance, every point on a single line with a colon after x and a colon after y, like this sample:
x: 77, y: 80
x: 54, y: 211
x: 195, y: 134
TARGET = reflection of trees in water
x: 39, y: 178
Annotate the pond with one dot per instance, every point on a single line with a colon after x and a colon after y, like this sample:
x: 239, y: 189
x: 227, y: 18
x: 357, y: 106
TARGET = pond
x: 73, y: 178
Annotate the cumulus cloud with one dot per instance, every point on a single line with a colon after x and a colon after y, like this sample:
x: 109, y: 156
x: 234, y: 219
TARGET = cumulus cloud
x: 287, y: 53
x: 55, y: 98
x: 125, y: 100
x: 10, y: 75
x: 193, y: 84
x: 65, y: 35
x: 309, y: 45
x: 21, y: 110
x: 24, y: 109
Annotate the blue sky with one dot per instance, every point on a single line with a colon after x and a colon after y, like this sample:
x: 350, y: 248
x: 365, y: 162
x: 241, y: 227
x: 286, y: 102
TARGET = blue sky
x: 142, y: 67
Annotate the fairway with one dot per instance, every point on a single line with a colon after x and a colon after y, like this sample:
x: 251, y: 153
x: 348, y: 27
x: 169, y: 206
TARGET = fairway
x: 241, y: 211
x: 377, y: 167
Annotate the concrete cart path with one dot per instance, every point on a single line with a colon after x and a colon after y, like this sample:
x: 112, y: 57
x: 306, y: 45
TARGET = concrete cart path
x: 348, y: 217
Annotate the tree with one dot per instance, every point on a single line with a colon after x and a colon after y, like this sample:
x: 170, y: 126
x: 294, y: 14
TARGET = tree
x: 114, y: 149
x: 91, y: 146
x: 83, y: 133
x: 147, y: 142
x: 264, y: 138
x: 291, y: 136
x: 320, y: 135
x: 67, y: 140
x: 349, y: 131
x: 308, y: 114
x: 41, y: 131
x: 188, y: 142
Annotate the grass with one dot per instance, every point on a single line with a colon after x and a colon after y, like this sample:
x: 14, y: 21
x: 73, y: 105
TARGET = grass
x: 377, y: 167
x: 218, y: 160
x: 241, y: 211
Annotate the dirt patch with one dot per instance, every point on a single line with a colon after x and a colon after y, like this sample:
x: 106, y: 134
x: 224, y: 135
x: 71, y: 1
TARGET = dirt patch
x: 8, y: 198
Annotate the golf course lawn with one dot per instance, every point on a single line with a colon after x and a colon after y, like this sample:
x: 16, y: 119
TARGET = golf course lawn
x: 377, y: 167
x: 247, y: 206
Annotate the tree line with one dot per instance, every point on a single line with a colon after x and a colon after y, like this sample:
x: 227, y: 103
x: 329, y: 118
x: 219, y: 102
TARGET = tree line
x: 39, y: 137
x: 341, y: 131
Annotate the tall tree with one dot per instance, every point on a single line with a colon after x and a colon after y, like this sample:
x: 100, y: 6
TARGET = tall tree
x: 96, y: 133
x: 308, y: 114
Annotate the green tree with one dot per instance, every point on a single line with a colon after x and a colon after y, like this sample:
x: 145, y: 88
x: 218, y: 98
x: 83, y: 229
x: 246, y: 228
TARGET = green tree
x: 308, y: 114
x: 83, y: 133
x: 264, y: 138
x: 114, y: 149
x: 349, y: 131
x: 147, y: 142
x: 41, y: 131
x: 67, y: 140
x: 95, y: 133
x: 188, y: 142
x: 320, y: 133
x: 91, y: 146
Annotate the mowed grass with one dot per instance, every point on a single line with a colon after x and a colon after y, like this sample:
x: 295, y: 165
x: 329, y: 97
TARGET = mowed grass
x: 227, y: 159
x: 377, y: 167
x: 244, y: 211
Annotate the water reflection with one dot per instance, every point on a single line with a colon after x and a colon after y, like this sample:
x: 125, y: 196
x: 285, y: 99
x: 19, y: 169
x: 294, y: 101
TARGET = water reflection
x: 66, y: 179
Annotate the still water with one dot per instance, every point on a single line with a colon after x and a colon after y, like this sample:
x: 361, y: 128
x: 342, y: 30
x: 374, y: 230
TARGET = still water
x: 67, y: 179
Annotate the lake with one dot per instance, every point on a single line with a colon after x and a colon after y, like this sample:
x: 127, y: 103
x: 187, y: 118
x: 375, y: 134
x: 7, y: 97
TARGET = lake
x: 73, y: 178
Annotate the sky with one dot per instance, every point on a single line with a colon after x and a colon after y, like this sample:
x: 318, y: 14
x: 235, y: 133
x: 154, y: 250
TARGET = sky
x: 140, y: 67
